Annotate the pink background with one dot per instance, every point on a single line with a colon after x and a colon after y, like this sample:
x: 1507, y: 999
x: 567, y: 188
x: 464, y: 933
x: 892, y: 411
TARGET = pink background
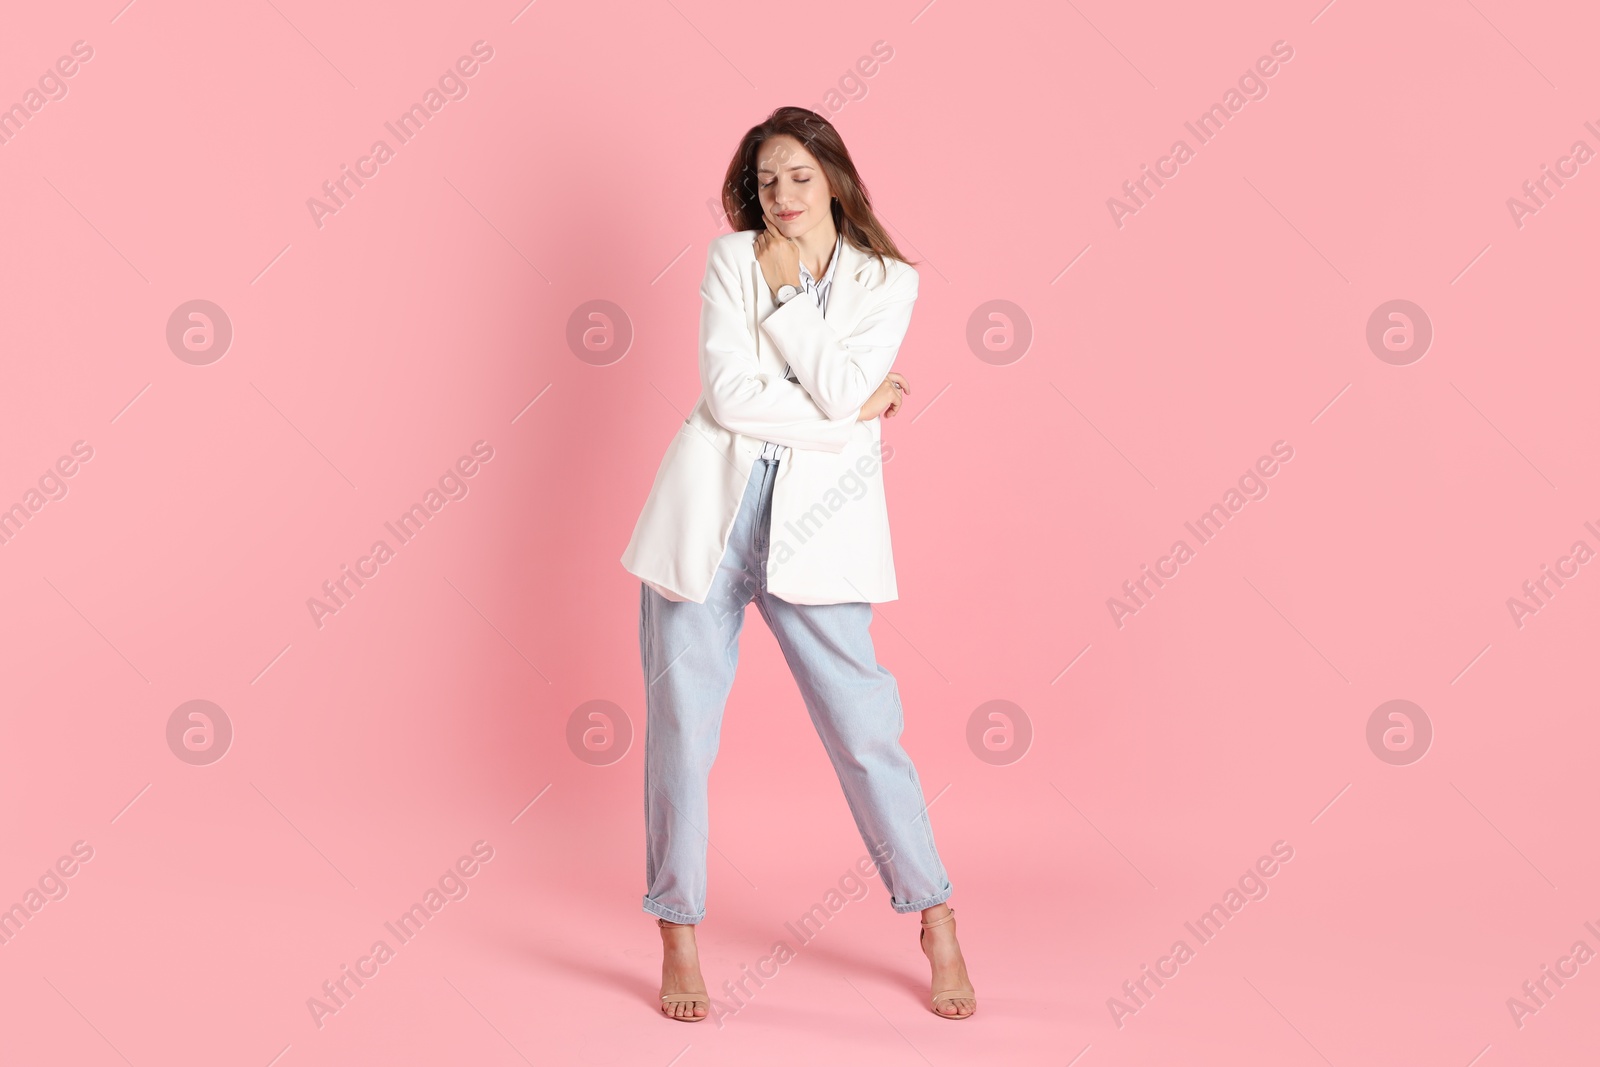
x: 431, y: 311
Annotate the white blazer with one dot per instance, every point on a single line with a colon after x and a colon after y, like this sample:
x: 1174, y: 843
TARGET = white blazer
x: 829, y: 539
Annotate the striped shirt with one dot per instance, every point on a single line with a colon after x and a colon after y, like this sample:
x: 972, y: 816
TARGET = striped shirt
x: 819, y: 291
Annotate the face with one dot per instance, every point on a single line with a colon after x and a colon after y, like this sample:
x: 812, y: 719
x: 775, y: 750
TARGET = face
x: 795, y: 195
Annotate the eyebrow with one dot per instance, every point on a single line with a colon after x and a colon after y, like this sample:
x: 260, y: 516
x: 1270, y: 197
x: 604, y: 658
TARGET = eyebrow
x: 792, y: 166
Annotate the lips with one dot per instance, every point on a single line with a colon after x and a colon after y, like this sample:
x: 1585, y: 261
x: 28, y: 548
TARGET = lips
x: 788, y: 216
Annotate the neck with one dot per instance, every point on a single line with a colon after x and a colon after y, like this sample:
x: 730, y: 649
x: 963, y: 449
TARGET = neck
x: 816, y: 247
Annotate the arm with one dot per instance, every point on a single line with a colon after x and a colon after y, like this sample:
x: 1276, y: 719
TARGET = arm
x: 842, y: 372
x: 740, y: 395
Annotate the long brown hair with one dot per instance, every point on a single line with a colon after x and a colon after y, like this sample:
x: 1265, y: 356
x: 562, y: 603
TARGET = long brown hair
x: 851, y: 206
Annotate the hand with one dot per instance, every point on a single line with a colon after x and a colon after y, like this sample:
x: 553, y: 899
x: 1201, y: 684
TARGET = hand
x: 779, y: 257
x: 886, y: 399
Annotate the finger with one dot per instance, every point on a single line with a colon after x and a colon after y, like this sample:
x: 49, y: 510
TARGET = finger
x: 772, y: 228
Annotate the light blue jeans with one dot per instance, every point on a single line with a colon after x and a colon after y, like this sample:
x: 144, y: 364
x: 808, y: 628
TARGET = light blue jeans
x: 689, y: 652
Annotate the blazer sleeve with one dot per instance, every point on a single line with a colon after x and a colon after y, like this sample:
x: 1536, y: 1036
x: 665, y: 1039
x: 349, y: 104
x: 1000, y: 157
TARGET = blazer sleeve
x: 739, y: 394
x: 841, y: 373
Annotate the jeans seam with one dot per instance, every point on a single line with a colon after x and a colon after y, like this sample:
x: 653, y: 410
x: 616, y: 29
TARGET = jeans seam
x: 926, y: 902
x: 789, y: 662
x: 671, y: 914
x: 922, y: 816
x: 644, y: 655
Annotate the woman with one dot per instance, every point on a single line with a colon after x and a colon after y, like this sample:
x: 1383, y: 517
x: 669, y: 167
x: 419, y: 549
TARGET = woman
x: 772, y: 492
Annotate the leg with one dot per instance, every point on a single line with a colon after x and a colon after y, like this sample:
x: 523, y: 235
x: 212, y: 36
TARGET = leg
x: 689, y: 659
x: 855, y: 706
x: 689, y: 652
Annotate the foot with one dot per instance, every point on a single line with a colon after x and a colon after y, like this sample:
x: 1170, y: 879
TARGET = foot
x: 939, y: 944
x: 680, y: 970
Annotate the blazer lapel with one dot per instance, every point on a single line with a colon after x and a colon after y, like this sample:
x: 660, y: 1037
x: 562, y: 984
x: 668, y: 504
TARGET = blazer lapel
x: 844, y: 299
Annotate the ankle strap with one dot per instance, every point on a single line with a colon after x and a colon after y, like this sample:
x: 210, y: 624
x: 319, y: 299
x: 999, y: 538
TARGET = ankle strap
x: 948, y: 916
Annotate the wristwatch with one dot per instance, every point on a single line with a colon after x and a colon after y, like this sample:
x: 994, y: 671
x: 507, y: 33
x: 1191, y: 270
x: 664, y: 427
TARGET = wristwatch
x: 787, y: 293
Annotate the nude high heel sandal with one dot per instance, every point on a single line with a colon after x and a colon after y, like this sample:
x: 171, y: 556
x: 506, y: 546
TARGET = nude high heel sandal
x: 690, y: 997
x: 948, y: 994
